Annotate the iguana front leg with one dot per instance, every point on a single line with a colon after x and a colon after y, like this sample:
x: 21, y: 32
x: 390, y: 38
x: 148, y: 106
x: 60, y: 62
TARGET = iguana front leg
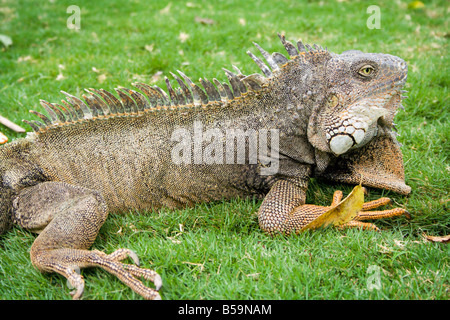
x: 284, y: 210
x: 68, y: 219
x: 278, y: 213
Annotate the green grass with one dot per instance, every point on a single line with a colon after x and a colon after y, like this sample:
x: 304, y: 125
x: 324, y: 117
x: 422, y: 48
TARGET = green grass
x: 217, y: 251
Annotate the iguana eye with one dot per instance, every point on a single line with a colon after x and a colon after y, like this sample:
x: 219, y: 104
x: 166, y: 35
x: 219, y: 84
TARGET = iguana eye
x: 366, y: 70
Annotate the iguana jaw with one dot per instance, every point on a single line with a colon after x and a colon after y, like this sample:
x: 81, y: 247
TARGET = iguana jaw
x: 351, y: 127
x: 357, y: 125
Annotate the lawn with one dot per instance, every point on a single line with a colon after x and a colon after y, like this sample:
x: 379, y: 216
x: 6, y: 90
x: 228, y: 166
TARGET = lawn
x: 217, y: 251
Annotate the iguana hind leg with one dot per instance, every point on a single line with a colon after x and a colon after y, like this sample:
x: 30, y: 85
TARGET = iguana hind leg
x: 68, y: 219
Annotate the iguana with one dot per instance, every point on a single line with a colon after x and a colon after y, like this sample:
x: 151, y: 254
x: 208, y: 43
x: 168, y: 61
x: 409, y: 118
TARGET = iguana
x: 312, y: 114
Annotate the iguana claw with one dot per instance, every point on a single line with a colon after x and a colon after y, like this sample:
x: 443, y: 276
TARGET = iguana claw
x: 365, y: 214
x: 129, y: 273
x: 75, y: 280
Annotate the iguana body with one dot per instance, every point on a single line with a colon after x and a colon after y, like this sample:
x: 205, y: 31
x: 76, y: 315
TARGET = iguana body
x: 316, y: 114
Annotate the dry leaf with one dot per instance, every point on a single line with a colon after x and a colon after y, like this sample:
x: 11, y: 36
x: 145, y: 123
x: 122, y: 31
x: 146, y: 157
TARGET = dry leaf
x: 345, y: 211
x: 204, y: 20
x: 156, y: 77
x: 26, y: 58
x: 183, y: 36
x: 132, y: 227
x: 399, y: 243
x: 60, y: 77
x: 166, y: 9
x: 101, y: 78
x: 50, y: 40
x: 416, y: 5
x: 384, y: 249
x: 201, y: 265
x: 5, y: 40
x: 253, y: 275
x: 176, y: 241
x: 443, y: 239
x: 139, y: 77
x: 149, y: 47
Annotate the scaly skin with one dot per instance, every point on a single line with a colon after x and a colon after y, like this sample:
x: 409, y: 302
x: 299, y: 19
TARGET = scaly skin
x: 322, y: 115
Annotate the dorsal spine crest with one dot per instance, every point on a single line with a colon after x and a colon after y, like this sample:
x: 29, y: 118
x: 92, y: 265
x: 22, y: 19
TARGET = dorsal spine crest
x: 99, y: 103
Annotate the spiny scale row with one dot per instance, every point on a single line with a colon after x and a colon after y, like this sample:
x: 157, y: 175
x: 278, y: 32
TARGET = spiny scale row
x: 277, y: 60
x: 100, y: 102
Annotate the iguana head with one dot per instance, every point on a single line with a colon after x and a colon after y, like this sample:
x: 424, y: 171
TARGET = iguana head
x: 347, y: 102
x: 349, y: 95
x: 363, y: 92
